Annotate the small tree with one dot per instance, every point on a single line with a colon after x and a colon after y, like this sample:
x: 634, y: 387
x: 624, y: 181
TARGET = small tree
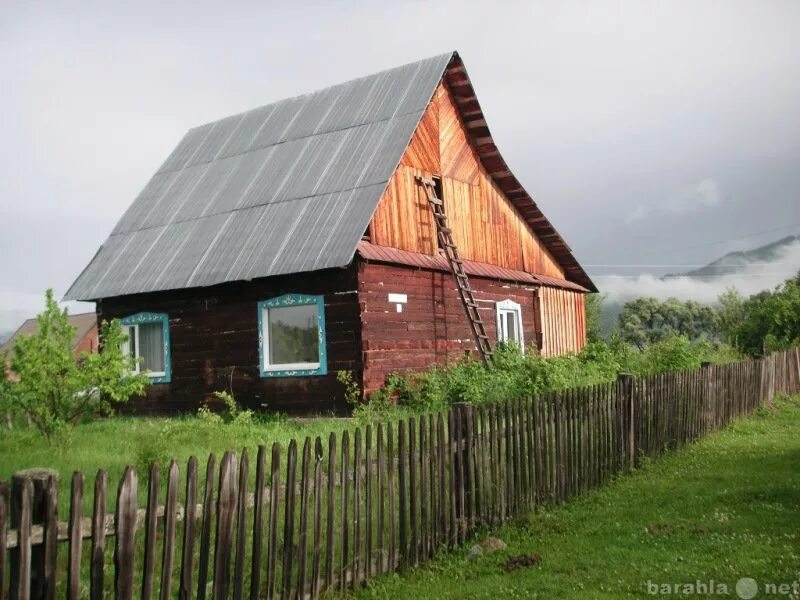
x: 56, y: 390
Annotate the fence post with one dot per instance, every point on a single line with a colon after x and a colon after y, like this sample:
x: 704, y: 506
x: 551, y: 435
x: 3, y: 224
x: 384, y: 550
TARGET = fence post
x: 626, y: 386
x: 464, y: 410
x: 39, y: 516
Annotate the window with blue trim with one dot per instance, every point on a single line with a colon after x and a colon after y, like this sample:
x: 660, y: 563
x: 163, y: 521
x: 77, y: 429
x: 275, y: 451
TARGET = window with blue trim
x: 291, y: 339
x: 148, y: 345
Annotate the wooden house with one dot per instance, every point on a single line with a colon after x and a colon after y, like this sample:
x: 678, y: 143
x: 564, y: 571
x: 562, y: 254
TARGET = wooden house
x: 278, y: 246
x: 84, y: 340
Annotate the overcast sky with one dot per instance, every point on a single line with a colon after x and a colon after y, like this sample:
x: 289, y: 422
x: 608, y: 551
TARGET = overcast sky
x: 645, y: 130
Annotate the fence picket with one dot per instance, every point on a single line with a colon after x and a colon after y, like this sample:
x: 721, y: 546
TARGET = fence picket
x: 189, y: 524
x: 170, y: 521
x: 205, y: 528
x: 125, y: 535
x: 75, y: 539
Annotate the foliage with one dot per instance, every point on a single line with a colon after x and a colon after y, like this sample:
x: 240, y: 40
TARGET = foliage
x: 730, y: 312
x: 769, y: 320
x: 352, y: 391
x: 514, y: 375
x: 54, y: 390
x: 232, y: 414
x: 594, y: 316
x: 647, y: 320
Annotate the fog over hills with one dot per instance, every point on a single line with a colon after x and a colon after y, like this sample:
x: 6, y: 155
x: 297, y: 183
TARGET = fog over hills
x: 749, y: 271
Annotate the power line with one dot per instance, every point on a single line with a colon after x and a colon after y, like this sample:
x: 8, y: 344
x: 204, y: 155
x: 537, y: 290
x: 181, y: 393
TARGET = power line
x: 734, y: 239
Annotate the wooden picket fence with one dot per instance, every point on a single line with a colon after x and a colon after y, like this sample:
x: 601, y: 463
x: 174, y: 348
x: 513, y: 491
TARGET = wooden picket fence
x: 385, y: 498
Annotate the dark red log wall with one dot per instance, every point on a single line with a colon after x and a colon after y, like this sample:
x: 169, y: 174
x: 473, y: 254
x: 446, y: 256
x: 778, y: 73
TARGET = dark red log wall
x: 214, y: 339
x: 432, y: 329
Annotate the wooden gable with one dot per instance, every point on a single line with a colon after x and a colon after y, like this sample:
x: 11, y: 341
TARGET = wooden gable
x: 486, y: 225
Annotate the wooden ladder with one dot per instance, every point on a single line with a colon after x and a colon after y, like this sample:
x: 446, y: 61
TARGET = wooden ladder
x: 457, y: 268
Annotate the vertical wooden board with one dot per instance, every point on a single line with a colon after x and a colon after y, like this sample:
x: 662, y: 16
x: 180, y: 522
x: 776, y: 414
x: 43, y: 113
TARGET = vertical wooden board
x: 302, y: 561
x: 189, y: 528
x: 402, y: 461
x: 458, y: 455
x: 452, y: 479
x: 423, y: 150
x: 382, y: 563
x: 458, y: 158
x: 357, y: 541
x: 345, y: 523
x: 125, y: 535
x: 272, y: 545
x: 75, y: 537
x: 441, y: 526
x: 468, y: 466
x: 391, y: 463
x: 205, y: 528
x: 432, y: 481
x: 413, y: 493
x: 21, y: 581
x: 150, y: 537
x: 50, y: 540
x: 368, y: 502
x: 257, y: 544
x: 288, y: 520
x: 318, y: 492
x: 241, y: 526
x: 424, y: 506
x: 97, y: 565
x: 170, y: 523
x: 330, y: 513
x: 226, y: 519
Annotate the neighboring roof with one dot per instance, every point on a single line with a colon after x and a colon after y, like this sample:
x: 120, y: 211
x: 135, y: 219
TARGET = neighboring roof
x: 83, y: 323
x: 385, y: 254
x: 286, y: 188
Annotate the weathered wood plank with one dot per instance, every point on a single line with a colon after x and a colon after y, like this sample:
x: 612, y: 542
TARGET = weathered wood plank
x: 205, y: 528
x: 125, y: 532
x: 226, y: 519
x: 97, y: 568
x: 241, y: 526
x: 150, y: 537
x: 170, y: 522
x: 75, y: 541
x: 288, y: 520
x: 189, y: 525
x: 272, y: 546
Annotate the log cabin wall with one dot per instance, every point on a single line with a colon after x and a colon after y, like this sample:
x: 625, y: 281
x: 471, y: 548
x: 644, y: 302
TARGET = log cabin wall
x: 563, y: 316
x: 486, y: 226
x: 214, y: 344
x: 432, y: 328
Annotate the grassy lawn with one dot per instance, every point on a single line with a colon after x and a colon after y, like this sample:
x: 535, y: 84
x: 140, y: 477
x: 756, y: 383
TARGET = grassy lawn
x: 726, y: 508
x: 113, y: 443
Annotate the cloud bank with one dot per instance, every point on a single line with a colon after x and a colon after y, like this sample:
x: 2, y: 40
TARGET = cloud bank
x: 753, y: 278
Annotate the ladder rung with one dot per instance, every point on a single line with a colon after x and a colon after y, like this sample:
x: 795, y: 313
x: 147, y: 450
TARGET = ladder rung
x: 435, y: 200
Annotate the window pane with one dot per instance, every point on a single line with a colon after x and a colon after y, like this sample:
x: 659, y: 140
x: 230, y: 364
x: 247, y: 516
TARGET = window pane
x: 151, y: 346
x: 132, y: 342
x: 511, y: 327
x: 293, y: 335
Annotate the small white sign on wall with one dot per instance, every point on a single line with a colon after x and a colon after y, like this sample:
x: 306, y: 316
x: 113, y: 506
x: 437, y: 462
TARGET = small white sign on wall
x: 398, y: 300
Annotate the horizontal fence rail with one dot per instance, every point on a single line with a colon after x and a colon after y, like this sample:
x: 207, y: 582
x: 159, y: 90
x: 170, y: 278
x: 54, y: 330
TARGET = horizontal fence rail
x: 296, y: 522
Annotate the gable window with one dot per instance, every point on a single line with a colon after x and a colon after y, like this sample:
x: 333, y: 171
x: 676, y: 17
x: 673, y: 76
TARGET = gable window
x: 148, y: 344
x: 292, y: 336
x: 509, y: 323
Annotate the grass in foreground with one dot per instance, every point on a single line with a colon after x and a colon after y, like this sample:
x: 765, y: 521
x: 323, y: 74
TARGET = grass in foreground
x: 724, y: 509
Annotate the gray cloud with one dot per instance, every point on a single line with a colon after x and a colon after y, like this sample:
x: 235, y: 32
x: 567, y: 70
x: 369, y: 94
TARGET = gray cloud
x: 599, y: 108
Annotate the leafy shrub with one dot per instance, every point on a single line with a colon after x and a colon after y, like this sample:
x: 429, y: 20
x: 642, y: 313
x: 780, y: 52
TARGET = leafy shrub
x: 233, y: 414
x: 56, y: 392
x: 514, y: 375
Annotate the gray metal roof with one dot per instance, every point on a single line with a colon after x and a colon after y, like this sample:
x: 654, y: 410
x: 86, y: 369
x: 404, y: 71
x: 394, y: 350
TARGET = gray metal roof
x: 285, y: 188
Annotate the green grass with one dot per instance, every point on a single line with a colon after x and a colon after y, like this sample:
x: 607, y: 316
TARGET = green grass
x: 726, y: 508
x: 112, y: 444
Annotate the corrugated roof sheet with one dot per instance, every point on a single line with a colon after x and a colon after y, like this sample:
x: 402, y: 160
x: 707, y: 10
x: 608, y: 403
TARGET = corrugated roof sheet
x: 284, y: 188
x: 390, y: 255
x: 289, y: 187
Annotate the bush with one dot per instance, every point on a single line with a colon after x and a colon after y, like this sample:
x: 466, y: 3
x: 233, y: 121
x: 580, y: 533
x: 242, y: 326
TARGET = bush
x: 514, y: 375
x: 54, y: 390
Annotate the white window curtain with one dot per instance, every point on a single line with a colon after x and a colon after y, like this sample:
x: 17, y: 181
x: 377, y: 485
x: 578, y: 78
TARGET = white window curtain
x: 151, y: 347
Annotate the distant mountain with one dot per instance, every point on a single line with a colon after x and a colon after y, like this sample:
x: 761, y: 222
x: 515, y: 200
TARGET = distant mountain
x: 5, y: 334
x: 735, y: 262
